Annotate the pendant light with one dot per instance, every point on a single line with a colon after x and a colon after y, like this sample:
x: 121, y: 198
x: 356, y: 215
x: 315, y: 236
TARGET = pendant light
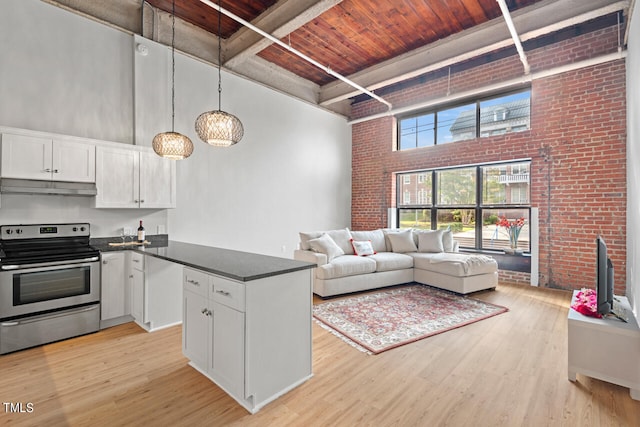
x: 219, y: 128
x: 173, y: 145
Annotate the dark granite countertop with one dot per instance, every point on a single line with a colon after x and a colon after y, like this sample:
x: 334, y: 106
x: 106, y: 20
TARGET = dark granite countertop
x: 237, y: 265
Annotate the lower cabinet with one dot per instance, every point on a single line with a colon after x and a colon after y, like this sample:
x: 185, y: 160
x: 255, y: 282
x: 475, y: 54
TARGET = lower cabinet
x: 253, y: 339
x: 115, y: 300
x: 156, y: 291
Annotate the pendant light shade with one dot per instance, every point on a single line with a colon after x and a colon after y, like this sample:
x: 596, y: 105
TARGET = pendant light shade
x: 173, y: 145
x: 219, y: 128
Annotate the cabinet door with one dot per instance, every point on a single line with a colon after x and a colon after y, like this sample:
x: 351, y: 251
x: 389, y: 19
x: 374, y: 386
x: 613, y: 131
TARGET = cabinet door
x: 113, y: 301
x: 138, y: 296
x: 157, y: 181
x: 26, y: 157
x: 196, y: 328
x: 227, y: 360
x: 117, y: 177
x: 74, y: 161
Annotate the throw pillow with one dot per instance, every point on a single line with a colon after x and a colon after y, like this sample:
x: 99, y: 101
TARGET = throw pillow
x: 325, y: 245
x: 362, y: 247
x: 342, y: 238
x: 402, y: 241
x: 430, y: 241
x: 447, y: 241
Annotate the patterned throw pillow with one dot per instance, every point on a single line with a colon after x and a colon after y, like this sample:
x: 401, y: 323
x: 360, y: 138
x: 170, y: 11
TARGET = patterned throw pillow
x: 362, y: 247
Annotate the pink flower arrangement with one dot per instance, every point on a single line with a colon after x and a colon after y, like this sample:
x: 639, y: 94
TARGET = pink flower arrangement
x: 586, y: 303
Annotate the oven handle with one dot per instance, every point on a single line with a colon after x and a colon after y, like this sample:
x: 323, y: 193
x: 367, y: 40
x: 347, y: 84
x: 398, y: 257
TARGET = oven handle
x: 48, y: 264
x: 49, y: 316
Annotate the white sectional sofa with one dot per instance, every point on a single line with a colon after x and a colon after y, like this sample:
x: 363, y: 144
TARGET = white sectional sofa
x: 352, y: 261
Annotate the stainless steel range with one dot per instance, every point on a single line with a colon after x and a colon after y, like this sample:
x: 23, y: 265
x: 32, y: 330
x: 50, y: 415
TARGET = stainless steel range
x: 49, y: 284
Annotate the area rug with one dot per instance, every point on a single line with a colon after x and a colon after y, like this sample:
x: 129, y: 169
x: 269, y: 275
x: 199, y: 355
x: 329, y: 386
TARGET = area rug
x: 379, y: 321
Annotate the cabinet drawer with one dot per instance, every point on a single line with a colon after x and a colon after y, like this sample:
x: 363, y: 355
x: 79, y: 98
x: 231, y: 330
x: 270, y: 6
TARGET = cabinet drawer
x: 137, y: 261
x: 227, y: 292
x: 195, y: 281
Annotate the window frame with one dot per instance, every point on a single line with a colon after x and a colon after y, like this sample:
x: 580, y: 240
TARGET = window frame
x: 435, y: 110
x: 479, y: 206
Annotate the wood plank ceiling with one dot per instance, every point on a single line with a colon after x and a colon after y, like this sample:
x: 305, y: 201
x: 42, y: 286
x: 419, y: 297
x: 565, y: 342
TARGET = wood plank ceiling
x: 372, y: 42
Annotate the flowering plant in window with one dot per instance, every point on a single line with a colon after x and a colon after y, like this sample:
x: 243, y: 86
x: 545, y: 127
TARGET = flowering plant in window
x: 513, y: 229
x: 586, y: 303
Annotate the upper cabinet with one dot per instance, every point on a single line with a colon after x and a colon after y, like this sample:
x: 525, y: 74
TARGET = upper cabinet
x: 134, y: 178
x: 47, y: 159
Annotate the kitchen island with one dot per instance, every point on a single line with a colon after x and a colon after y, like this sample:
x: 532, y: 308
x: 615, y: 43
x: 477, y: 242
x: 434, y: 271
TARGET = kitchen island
x: 246, y: 318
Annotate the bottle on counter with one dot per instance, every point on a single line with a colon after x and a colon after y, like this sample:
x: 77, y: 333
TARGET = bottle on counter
x: 141, y: 233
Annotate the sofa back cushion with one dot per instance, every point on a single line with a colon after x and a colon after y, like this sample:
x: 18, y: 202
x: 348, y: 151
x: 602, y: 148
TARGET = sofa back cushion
x: 376, y: 237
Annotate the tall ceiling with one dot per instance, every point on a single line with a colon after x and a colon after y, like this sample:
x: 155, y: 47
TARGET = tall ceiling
x: 354, y: 44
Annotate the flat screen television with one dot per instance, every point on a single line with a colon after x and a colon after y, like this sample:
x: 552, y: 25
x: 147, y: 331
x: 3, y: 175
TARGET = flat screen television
x: 604, y: 279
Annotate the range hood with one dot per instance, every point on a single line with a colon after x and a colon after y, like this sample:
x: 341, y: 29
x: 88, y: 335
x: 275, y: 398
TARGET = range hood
x: 32, y: 186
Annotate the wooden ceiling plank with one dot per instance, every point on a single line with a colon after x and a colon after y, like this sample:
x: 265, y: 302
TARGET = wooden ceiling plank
x: 538, y: 19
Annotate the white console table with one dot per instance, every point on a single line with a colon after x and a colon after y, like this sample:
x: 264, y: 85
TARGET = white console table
x: 607, y: 349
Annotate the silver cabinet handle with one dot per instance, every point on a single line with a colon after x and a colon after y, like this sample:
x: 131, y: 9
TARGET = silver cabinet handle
x: 206, y: 312
x: 56, y: 171
x: 48, y: 170
x: 193, y: 282
x: 142, y: 201
x: 224, y: 293
x: 135, y: 260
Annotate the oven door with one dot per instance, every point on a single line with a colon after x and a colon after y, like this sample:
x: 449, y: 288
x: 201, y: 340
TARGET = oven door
x: 47, y: 287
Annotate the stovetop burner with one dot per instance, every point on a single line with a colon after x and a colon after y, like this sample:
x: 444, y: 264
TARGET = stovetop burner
x: 36, y: 243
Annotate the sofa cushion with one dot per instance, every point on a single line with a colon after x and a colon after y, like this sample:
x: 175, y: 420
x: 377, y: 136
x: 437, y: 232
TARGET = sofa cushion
x: 340, y: 236
x: 348, y: 265
x: 455, y: 264
x: 389, y: 261
x: 402, y: 241
x: 430, y: 241
x: 376, y: 237
x: 362, y: 247
x: 387, y: 231
x: 325, y: 245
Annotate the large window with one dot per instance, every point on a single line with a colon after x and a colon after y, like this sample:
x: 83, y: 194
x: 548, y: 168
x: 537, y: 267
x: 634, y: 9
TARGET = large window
x: 480, y: 118
x: 455, y: 198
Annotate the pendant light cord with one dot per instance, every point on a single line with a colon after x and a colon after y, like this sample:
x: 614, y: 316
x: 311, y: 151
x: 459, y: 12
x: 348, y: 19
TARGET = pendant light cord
x: 173, y: 66
x: 219, y: 58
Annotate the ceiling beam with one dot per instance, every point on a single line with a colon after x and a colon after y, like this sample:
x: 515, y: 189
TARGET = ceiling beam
x: 279, y: 20
x: 534, y: 21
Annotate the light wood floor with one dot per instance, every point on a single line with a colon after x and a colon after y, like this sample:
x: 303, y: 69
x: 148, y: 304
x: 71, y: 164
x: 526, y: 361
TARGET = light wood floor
x: 509, y: 370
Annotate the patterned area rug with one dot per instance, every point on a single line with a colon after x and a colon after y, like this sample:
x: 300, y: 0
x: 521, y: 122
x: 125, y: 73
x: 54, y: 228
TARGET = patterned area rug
x: 379, y: 321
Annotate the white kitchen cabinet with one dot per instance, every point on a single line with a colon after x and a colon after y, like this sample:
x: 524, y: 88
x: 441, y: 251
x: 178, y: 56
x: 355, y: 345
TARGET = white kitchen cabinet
x: 156, y: 287
x: 134, y: 177
x: 115, y: 301
x: 47, y: 158
x: 257, y: 334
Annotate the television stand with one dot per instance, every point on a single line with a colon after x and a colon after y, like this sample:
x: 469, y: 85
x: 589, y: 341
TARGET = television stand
x: 607, y: 349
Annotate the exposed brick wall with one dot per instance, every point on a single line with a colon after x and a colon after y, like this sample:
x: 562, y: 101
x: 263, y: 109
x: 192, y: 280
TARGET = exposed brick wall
x: 577, y: 144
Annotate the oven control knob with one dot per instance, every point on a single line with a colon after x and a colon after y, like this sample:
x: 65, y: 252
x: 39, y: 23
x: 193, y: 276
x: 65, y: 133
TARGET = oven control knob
x: 18, y: 230
x: 9, y: 231
x: 82, y: 229
x: 75, y: 228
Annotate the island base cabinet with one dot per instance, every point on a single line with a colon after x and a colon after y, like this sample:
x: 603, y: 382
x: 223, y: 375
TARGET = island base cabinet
x: 257, y: 333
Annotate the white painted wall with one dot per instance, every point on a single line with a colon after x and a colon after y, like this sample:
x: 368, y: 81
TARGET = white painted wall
x: 290, y: 172
x: 65, y: 74
x: 633, y: 161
